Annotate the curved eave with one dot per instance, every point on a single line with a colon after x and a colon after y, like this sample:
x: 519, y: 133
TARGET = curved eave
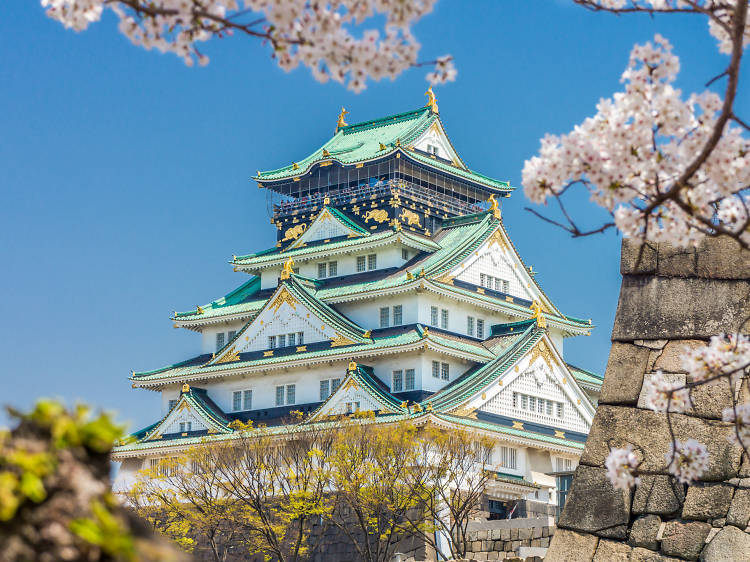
x: 499, y: 187
x: 342, y: 353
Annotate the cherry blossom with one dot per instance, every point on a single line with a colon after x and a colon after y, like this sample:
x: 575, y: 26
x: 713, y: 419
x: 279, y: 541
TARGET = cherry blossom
x: 621, y: 466
x: 664, y: 395
x: 725, y: 355
x: 633, y: 156
x: 318, y: 35
x: 687, y: 461
x: 740, y: 415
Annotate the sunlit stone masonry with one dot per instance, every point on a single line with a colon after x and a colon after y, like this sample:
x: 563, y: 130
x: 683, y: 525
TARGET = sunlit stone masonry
x: 393, y: 287
x: 672, y: 300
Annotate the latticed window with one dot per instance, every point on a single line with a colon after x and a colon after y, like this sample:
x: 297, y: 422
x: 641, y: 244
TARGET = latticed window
x: 237, y: 400
x: 560, y: 409
x: 279, y: 395
x: 508, y: 457
x: 361, y: 263
x: 300, y: 338
x: 404, y: 254
x: 220, y: 340
x: 445, y: 371
x: 397, y: 384
x: 247, y: 399
x: 436, y: 369
x: 444, y: 319
x: 291, y: 339
x: 470, y: 325
x: 291, y: 391
x: 333, y: 268
x: 325, y: 389
x: 282, y: 340
x: 372, y: 261
x: 335, y: 383
x: 384, y: 317
x: 321, y: 270
x: 409, y: 379
x: 480, y: 328
x: 434, y: 316
x: 271, y: 342
x: 231, y: 335
x: 398, y: 316
x: 172, y: 404
x: 506, y: 286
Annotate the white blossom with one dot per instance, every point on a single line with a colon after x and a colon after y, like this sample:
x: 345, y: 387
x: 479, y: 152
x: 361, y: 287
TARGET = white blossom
x: 621, y: 466
x: 687, y: 461
x: 725, y: 355
x: 740, y: 416
x: 639, y: 145
x: 664, y: 395
x: 318, y: 35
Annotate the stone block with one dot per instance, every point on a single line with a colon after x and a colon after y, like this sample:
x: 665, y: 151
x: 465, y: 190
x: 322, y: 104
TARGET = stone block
x: 493, y: 555
x: 505, y: 534
x: 648, y: 432
x: 636, y: 258
x: 624, y: 375
x: 495, y: 534
x: 722, y: 258
x: 645, y: 555
x: 739, y: 509
x: 669, y: 360
x: 524, y: 534
x: 644, y: 531
x: 728, y: 544
x: 675, y: 261
x: 673, y: 378
x: 658, y: 494
x: 536, y: 533
x: 710, y: 398
x: 707, y: 501
x: 514, y: 534
x: 612, y: 551
x: 544, y: 542
x: 594, y: 506
x: 569, y: 546
x: 684, y: 538
x: 674, y: 308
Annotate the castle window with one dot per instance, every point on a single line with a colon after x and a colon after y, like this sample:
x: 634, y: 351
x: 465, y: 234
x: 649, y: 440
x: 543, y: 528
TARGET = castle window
x: 271, y: 342
x: 220, y: 340
x: 506, y: 286
x: 560, y: 410
x: 444, y: 319
x: 325, y: 389
x: 231, y: 334
x: 404, y: 254
x: 445, y: 371
x: 247, y: 399
x: 237, y: 400
x: 397, y: 383
x: 483, y: 454
x: 361, y: 263
x: 480, y: 328
x: 172, y: 404
x: 333, y: 268
x: 291, y: 391
x: 321, y: 270
x: 549, y: 407
x: 282, y: 340
x: 409, y: 379
x: 398, y: 315
x: 186, y: 426
x: 335, y: 383
x: 292, y: 339
x: 470, y: 325
x: 352, y: 407
x: 436, y: 369
x: 372, y: 261
x: 384, y: 317
x: 300, y: 338
x: 279, y: 395
x: 434, y: 316
x: 508, y: 457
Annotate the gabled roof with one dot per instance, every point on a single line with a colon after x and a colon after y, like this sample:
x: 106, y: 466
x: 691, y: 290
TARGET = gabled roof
x: 197, y: 401
x: 379, y: 138
x: 345, y: 223
x: 292, y: 291
x: 360, y: 378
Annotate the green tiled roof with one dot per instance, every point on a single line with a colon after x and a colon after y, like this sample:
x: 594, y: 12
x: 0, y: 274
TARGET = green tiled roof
x: 204, y: 407
x: 238, y: 297
x: 362, y: 142
x: 582, y: 375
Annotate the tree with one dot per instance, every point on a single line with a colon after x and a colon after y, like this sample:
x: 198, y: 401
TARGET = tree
x: 452, y: 467
x: 374, y: 498
x: 182, y: 497
x: 279, y: 477
x: 318, y: 35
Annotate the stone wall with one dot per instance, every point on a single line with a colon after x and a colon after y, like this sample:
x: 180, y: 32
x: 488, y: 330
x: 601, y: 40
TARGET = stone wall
x: 671, y: 300
x: 509, y: 539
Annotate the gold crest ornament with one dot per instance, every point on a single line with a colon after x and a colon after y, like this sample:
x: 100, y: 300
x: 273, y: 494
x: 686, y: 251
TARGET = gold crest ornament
x: 341, y: 122
x: 431, y: 100
x: 288, y: 269
x: 410, y: 218
x: 494, y: 206
x: 540, y: 319
x: 378, y: 215
x: 294, y: 232
x: 185, y: 388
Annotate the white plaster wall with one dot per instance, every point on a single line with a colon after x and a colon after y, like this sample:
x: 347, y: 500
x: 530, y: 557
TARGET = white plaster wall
x: 366, y: 313
x: 456, y: 368
x: 208, y: 334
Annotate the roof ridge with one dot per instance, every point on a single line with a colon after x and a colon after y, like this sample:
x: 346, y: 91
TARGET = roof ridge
x: 373, y: 122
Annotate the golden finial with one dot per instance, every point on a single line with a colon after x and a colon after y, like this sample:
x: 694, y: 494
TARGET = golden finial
x: 398, y: 142
x: 198, y: 310
x: 382, y: 146
x: 431, y: 100
x: 341, y: 122
x: 540, y: 319
x: 352, y: 365
x: 287, y: 271
x: 409, y: 276
x: 494, y: 206
x: 295, y: 166
x: 185, y: 388
x: 421, y: 272
x: 368, y: 334
x: 417, y: 408
x: 326, y: 154
x: 405, y: 404
x: 425, y: 332
x: 429, y: 406
x: 326, y: 200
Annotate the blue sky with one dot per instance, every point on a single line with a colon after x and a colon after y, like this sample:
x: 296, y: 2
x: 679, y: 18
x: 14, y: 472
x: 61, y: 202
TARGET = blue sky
x: 125, y: 175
